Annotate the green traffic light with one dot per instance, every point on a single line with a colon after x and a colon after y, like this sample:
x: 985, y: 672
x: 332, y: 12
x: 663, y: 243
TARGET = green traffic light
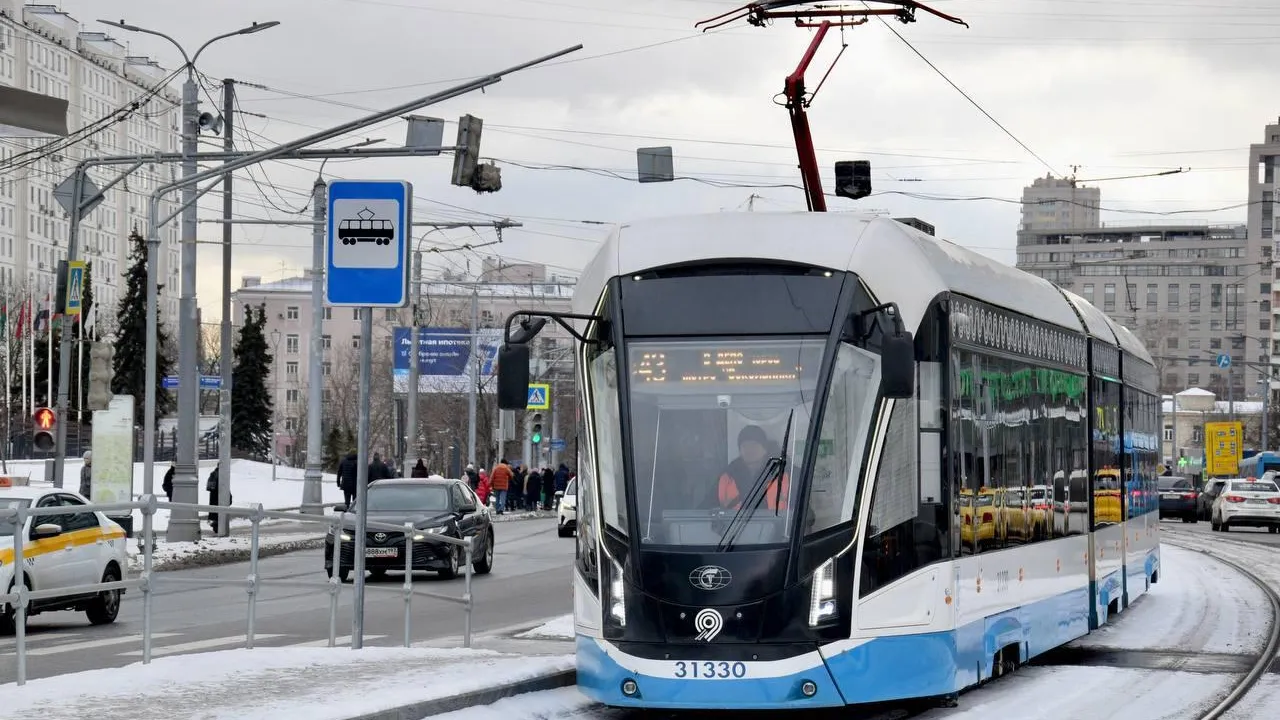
x: 537, y: 438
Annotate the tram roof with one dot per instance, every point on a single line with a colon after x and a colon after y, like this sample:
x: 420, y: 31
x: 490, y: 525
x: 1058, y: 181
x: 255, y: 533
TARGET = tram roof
x: 896, y: 261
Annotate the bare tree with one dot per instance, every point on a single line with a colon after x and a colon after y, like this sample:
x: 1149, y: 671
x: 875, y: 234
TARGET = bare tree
x: 343, y: 390
x: 1153, y: 332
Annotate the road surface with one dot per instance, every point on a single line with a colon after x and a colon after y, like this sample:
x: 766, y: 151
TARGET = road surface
x: 1202, y: 531
x: 531, y: 580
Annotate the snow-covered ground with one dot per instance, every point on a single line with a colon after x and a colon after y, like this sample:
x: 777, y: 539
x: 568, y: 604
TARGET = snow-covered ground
x: 280, y: 683
x: 560, y: 628
x: 251, y: 484
x: 212, y: 550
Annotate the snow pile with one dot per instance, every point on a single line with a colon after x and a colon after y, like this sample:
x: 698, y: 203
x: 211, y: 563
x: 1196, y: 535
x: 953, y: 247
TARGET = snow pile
x: 218, y: 550
x: 562, y: 702
x: 250, y: 484
x: 302, y: 683
x: 560, y: 628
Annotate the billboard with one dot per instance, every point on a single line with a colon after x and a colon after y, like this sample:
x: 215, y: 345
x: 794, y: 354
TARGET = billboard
x: 1225, y: 442
x: 442, y: 359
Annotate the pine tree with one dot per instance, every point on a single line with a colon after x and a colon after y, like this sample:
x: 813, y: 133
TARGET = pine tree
x: 251, y: 403
x: 129, y: 366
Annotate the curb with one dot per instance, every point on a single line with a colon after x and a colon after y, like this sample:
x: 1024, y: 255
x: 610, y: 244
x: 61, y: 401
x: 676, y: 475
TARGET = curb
x: 439, y: 706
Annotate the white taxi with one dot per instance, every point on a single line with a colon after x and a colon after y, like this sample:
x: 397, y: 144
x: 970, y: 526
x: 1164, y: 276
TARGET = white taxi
x: 568, y: 509
x: 62, y: 551
x: 1251, y: 502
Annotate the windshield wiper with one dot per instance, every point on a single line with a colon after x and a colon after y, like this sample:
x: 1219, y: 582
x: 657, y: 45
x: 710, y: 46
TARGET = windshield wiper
x: 772, y: 469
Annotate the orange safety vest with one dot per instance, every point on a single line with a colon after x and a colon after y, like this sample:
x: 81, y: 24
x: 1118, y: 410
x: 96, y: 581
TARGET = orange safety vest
x: 731, y: 498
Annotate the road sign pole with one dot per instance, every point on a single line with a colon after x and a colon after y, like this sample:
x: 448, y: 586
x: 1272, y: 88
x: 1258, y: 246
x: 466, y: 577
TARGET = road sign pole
x: 362, y: 477
x: 64, y: 346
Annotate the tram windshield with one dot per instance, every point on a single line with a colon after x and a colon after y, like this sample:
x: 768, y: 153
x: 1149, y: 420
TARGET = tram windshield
x: 718, y: 432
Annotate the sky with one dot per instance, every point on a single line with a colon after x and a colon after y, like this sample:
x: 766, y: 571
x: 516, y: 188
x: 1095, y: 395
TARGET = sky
x: 954, y: 128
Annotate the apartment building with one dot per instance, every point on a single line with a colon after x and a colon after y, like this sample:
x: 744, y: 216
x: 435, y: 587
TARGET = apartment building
x: 1263, y: 189
x: 1191, y: 291
x: 44, y: 50
x: 1051, y: 202
x: 444, y: 302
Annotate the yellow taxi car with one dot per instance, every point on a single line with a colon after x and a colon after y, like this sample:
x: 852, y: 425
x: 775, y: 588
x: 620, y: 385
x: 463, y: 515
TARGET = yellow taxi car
x: 61, y: 551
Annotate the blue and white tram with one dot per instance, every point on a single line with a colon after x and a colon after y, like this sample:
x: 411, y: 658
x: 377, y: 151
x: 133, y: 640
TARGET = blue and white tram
x: 827, y: 459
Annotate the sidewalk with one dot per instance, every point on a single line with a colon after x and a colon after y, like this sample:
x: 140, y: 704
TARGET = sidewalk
x: 304, y: 683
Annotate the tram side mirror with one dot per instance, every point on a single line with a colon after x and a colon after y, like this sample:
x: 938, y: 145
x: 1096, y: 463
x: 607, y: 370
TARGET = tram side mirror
x: 898, y: 365
x: 513, y: 377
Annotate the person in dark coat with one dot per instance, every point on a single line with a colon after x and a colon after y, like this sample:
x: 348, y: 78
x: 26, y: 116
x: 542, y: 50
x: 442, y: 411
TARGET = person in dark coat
x: 473, y: 477
x: 561, y: 482
x: 167, y: 483
x: 378, y: 470
x: 532, y: 487
x: 212, y: 486
x: 347, y: 478
x: 548, y: 488
x: 420, y: 470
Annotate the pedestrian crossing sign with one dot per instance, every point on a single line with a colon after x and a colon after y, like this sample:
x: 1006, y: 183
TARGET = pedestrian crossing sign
x: 75, y: 287
x: 539, y: 397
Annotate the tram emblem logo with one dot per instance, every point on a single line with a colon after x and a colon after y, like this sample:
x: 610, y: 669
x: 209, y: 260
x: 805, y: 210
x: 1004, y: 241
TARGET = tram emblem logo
x: 708, y: 623
x: 710, y: 577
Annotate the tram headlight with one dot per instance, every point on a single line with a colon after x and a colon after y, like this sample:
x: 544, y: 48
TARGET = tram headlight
x: 617, y: 599
x: 822, y: 604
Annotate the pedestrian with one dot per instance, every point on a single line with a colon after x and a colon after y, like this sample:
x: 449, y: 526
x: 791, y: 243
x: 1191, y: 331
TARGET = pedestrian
x: 167, y: 484
x: 420, y: 470
x: 473, y: 477
x: 212, y: 486
x: 548, y: 487
x: 378, y: 470
x: 532, y: 488
x: 347, y: 479
x: 500, y: 482
x: 86, y: 476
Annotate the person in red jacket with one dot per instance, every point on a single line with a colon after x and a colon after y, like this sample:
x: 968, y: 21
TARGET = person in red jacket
x: 741, y: 474
x: 500, y: 482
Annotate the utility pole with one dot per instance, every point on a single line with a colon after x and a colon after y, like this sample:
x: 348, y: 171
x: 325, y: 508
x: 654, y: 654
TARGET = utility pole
x: 312, y: 495
x: 411, y: 434
x: 474, y: 367
x: 228, y: 351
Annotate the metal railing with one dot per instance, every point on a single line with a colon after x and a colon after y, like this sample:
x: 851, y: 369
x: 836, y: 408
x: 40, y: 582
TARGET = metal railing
x: 20, y: 593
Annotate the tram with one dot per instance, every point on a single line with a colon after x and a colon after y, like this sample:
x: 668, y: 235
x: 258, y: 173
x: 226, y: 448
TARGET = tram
x: 828, y: 459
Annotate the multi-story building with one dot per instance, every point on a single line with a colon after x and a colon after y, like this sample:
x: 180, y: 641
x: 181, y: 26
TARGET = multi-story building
x: 1262, y: 196
x: 1050, y: 202
x: 43, y: 50
x: 447, y: 302
x: 1192, y: 292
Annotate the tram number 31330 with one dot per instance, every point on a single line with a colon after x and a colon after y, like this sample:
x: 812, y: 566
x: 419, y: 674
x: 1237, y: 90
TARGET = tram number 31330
x: 708, y: 670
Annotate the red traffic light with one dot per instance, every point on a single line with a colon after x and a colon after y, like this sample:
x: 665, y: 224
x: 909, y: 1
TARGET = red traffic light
x: 46, y: 418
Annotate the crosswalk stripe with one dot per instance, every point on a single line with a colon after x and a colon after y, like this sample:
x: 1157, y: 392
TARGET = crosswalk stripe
x: 343, y: 641
x: 199, y: 645
x: 91, y: 644
x: 12, y: 642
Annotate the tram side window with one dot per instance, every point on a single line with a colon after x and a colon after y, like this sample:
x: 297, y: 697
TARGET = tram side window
x: 608, y: 438
x: 1141, y: 456
x: 1108, y: 479
x: 587, y: 553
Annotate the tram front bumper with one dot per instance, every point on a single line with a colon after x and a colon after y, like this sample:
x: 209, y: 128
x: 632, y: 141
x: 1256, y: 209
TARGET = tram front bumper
x: 614, y: 678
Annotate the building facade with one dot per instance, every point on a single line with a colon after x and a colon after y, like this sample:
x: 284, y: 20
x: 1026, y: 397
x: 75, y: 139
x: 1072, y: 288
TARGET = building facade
x: 43, y: 50
x: 1050, y: 202
x: 446, y: 302
x: 1263, y: 188
x: 1191, y: 292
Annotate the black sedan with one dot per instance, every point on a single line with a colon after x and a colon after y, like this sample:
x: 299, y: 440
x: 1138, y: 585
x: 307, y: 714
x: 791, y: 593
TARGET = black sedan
x: 1179, y: 498
x: 435, y: 507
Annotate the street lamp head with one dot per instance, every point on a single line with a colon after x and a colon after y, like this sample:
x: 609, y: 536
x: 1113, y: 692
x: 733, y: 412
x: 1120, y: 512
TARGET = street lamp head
x: 259, y: 27
x: 122, y: 25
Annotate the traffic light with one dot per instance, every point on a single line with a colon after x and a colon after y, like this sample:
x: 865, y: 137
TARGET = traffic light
x: 100, y: 357
x: 60, y: 287
x: 535, y: 429
x: 46, y: 424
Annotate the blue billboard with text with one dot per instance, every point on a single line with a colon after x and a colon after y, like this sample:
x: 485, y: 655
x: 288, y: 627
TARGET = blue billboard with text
x: 443, y: 355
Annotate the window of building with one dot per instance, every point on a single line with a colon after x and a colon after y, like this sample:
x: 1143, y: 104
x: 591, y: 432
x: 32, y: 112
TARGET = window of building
x: 1215, y: 343
x: 1264, y: 324
x: 1264, y: 288
x: 1172, y: 342
x: 1215, y: 324
x: 290, y: 425
x: 1109, y: 297
x: 1193, y: 299
x: 326, y: 368
x: 1193, y: 343
x: 291, y: 395
x: 1168, y: 433
x: 291, y: 312
x: 1237, y: 343
x: 1153, y: 297
x: 355, y: 341
x: 1193, y: 379
x: 1215, y: 297
x: 355, y: 313
x: 1088, y: 292
x: 291, y: 369
x: 389, y: 314
x: 291, y: 344
x: 328, y: 313
x: 1174, y: 300
x: 326, y: 342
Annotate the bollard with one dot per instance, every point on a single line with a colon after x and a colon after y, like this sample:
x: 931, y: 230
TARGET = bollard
x: 408, y: 579
x: 20, y: 587
x: 252, y: 586
x: 466, y: 598
x: 335, y: 585
x: 149, y: 543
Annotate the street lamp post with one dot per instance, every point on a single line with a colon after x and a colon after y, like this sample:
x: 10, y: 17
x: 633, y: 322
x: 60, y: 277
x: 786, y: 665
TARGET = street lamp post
x: 184, y: 525
x: 275, y: 397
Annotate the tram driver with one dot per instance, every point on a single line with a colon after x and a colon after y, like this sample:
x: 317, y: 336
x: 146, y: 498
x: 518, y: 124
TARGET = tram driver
x: 742, y: 473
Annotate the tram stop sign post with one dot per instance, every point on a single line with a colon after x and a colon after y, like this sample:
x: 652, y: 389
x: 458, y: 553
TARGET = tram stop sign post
x: 366, y: 266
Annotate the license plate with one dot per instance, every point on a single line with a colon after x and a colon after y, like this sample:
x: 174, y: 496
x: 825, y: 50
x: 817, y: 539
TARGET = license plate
x: 1257, y: 501
x: 381, y: 552
x: 709, y: 670
x: 1169, y: 496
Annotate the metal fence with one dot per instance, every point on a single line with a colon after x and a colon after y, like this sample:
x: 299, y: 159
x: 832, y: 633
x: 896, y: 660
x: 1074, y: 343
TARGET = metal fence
x: 146, y: 581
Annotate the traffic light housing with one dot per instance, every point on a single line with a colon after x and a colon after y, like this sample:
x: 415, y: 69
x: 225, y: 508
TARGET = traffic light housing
x: 46, y: 424
x: 853, y: 179
x: 100, y: 358
x: 60, y: 287
x: 535, y: 429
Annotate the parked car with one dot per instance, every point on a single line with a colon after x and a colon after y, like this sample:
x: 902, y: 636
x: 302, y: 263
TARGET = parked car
x: 62, y: 551
x: 435, y: 506
x: 1179, y: 498
x: 568, y: 509
x: 1208, y: 493
x: 1247, y: 503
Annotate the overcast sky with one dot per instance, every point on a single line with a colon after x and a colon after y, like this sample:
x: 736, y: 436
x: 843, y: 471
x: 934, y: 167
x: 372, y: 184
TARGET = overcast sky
x: 1116, y: 88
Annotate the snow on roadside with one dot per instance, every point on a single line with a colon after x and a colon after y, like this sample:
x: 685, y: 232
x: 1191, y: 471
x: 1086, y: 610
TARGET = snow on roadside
x: 228, y: 549
x: 558, y: 703
x: 1172, y: 616
x: 302, y: 683
x: 560, y: 628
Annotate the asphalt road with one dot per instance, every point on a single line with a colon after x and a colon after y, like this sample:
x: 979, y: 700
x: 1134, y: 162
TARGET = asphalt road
x: 1254, y: 535
x: 531, y: 580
